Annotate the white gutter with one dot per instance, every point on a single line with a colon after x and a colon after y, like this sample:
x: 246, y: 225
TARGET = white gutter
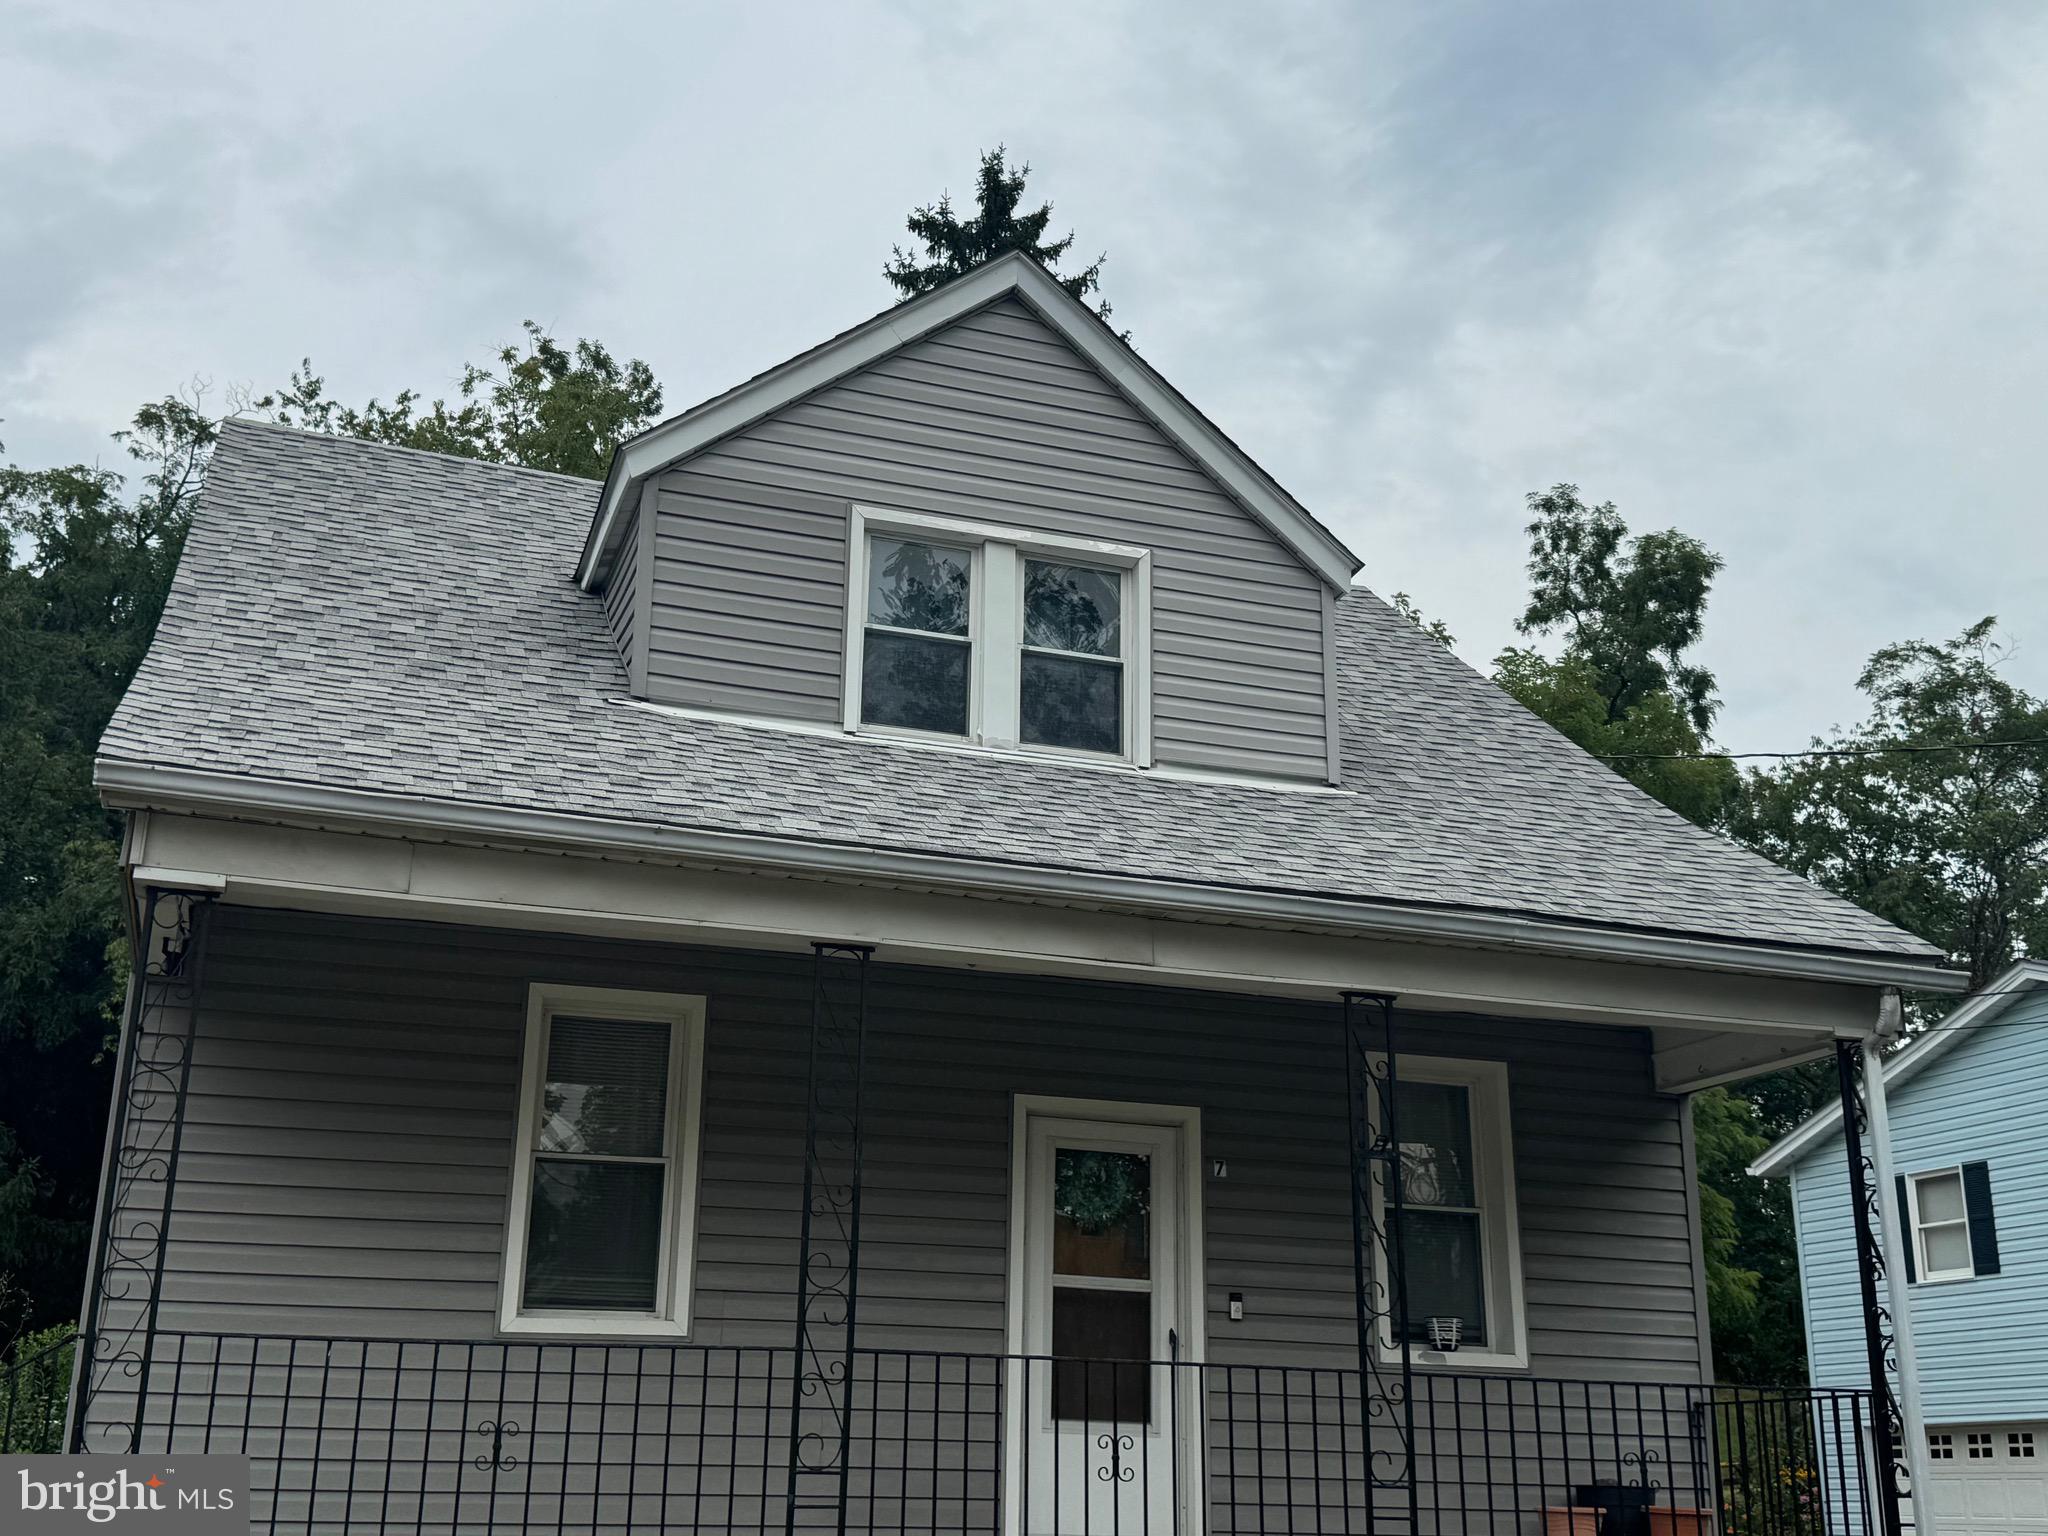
x: 2020, y: 977
x: 134, y: 786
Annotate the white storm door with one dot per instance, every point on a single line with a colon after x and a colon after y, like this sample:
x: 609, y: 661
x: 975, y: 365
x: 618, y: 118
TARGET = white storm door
x: 1104, y: 1426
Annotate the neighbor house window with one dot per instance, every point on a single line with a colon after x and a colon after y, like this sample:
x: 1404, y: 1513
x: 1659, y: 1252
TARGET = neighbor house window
x: 604, y: 1172
x: 1951, y: 1223
x: 998, y: 637
x: 1941, y: 1226
x: 1456, y: 1233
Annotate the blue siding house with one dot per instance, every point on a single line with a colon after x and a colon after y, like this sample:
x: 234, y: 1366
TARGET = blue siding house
x: 1969, y: 1147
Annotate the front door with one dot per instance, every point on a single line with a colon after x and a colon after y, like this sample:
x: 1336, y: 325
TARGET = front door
x: 1104, y: 1420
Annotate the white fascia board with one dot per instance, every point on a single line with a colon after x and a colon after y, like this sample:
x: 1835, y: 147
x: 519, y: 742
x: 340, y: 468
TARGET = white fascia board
x: 694, y: 430
x: 559, y: 891
x: 2007, y: 988
x: 130, y: 786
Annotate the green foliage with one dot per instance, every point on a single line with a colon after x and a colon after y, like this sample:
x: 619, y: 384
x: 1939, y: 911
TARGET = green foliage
x: 954, y: 247
x: 1436, y: 629
x: 35, y: 1378
x: 84, y: 571
x: 1952, y: 846
x: 1567, y: 693
x: 1752, y: 1268
x: 1629, y: 612
x: 541, y: 405
x: 86, y: 560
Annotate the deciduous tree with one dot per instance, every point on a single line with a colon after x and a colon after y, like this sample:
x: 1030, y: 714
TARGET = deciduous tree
x: 1947, y: 838
x: 86, y: 560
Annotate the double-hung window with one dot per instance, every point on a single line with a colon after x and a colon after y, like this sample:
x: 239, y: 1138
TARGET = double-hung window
x: 917, y: 653
x: 604, y: 1170
x: 1941, y: 1226
x: 1456, y: 1234
x: 1951, y: 1226
x: 998, y: 637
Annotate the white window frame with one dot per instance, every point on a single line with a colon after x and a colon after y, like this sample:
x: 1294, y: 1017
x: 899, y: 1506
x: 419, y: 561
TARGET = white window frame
x: 995, y: 626
x: 1493, y: 1152
x: 1926, y: 1273
x: 681, y: 1138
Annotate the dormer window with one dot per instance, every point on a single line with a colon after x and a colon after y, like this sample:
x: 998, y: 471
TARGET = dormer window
x: 997, y: 637
x: 1070, y: 681
x: 917, y: 657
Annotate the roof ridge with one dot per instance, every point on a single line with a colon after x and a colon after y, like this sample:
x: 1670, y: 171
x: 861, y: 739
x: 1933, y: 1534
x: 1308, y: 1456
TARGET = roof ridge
x: 348, y: 441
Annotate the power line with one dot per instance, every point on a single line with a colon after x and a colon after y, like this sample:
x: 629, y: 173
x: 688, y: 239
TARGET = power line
x: 1700, y: 757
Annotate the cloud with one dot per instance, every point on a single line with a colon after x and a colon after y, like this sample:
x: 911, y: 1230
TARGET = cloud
x: 1744, y: 269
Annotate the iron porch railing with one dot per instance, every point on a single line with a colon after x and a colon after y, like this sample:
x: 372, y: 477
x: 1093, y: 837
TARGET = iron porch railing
x: 440, y: 1438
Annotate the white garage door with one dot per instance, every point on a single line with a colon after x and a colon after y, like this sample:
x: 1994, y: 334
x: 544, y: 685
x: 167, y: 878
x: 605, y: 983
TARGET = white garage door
x: 1989, y: 1479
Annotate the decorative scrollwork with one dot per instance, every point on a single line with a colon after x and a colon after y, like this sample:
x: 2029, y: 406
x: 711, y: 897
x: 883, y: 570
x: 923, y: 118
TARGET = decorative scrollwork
x: 497, y: 1458
x: 828, y: 1267
x: 1880, y: 1339
x: 1641, y: 1463
x: 153, y: 1077
x: 1378, y: 1190
x: 1114, y: 1470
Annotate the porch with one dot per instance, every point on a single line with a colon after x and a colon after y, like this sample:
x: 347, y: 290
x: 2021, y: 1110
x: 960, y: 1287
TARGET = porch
x: 313, y: 1256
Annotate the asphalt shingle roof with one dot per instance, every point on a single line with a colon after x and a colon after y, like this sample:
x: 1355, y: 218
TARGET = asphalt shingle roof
x: 371, y: 618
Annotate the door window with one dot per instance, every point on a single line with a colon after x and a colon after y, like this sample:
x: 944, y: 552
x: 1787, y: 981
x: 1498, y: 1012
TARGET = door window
x: 1101, y: 1285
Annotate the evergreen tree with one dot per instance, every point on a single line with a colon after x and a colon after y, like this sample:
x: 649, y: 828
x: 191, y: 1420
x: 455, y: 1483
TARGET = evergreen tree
x: 954, y: 247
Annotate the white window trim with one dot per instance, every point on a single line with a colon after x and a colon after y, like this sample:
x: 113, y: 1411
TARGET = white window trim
x: 995, y: 626
x: 681, y: 1139
x: 1500, y: 1230
x: 1927, y: 1274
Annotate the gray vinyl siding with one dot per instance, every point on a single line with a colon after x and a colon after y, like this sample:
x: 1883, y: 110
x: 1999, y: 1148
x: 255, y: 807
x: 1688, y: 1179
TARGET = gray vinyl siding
x: 347, y: 1147
x: 622, y: 600
x: 997, y: 419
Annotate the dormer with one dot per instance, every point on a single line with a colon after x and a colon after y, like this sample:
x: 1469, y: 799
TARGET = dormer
x: 979, y: 521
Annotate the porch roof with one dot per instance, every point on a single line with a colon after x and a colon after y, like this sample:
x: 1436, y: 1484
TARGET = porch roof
x: 354, y: 617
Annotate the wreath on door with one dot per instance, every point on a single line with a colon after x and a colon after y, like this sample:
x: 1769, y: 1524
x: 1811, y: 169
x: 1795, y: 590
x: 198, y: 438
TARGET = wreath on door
x: 1100, y: 1190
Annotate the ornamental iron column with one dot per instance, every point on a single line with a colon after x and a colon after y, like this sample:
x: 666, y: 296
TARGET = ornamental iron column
x: 828, y: 1255
x: 1379, y: 1277
x: 1880, y: 1350
x: 139, y: 1184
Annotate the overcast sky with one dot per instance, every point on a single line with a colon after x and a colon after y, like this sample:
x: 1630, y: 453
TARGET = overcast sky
x: 1770, y: 274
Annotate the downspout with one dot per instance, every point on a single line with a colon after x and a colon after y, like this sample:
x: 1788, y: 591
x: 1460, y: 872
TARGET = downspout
x: 1890, y: 1026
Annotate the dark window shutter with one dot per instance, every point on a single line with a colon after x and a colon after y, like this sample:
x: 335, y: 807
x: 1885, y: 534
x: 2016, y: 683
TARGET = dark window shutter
x: 1906, y: 1230
x: 1983, y: 1225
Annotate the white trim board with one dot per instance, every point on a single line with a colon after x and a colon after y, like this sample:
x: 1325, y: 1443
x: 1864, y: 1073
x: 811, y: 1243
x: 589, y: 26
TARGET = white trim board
x: 312, y: 869
x: 1185, y: 1118
x: 682, y: 1137
x: 133, y: 786
x: 995, y: 629
x: 1015, y: 274
x: 1988, y: 1006
x: 1493, y: 1147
